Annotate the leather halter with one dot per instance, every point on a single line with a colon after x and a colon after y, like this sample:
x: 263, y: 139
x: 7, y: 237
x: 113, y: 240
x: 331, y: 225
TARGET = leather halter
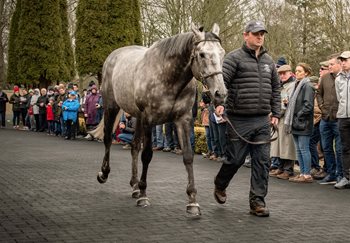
x: 193, y: 56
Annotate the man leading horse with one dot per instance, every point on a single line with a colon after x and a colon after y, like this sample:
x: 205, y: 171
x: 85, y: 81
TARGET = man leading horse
x: 252, y: 105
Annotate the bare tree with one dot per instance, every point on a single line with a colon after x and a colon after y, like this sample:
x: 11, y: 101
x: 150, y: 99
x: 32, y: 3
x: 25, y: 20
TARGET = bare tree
x: 164, y: 18
x: 6, y: 9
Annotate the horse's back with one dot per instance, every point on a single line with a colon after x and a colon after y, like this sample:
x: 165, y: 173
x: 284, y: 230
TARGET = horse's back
x: 118, y: 75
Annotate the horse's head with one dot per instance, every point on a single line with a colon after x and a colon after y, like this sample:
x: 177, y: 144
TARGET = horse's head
x: 207, y: 59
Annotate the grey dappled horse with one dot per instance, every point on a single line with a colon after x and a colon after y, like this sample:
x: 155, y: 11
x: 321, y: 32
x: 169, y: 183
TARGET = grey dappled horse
x: 156, y: 86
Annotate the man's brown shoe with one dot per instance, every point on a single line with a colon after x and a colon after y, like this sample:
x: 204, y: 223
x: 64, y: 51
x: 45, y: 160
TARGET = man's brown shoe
x: 284, y: 176
x: 260, y: 211
x: 220, y: 196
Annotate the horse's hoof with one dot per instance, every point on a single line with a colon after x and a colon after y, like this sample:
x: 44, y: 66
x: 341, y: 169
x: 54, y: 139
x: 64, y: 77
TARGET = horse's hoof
x: 193, y: 209
x: 135, y: 193
x: 143, y: 202
x: 100, y: 178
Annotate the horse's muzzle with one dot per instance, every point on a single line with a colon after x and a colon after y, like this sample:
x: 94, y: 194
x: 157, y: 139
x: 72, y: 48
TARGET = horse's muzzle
x: 219, y: 98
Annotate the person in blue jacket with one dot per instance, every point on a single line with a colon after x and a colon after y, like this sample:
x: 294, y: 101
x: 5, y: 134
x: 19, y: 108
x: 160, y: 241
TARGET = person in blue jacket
x: 70, y: 113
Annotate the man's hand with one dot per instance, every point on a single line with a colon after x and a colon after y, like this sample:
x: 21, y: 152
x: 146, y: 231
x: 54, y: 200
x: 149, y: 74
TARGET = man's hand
x: 274, y: 120
x: 219, y: 110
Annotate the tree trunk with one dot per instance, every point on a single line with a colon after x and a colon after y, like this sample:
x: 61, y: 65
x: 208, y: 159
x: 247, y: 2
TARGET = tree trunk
x: 2, y: 46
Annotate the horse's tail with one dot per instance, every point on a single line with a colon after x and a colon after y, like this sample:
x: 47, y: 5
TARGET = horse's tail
x: 98, y: 132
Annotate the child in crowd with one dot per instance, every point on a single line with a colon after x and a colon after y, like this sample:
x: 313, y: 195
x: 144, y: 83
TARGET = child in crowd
x: 70, y: 114
x: 50, y: 116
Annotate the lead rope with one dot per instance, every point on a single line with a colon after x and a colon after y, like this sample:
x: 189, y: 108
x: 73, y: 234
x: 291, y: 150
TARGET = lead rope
x: 274, y: 131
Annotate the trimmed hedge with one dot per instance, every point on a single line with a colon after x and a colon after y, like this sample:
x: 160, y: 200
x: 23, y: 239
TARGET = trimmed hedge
x: 200, y: 140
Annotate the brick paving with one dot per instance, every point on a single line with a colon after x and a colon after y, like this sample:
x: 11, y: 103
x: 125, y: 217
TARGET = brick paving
x: 49, y: 193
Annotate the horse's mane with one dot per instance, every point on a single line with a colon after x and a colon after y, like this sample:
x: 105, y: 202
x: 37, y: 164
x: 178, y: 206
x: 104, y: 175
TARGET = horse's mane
x: 179, y: 44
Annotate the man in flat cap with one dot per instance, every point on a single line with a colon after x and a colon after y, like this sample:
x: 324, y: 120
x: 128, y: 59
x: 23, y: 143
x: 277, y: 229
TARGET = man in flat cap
x: 253, y: 87
x: 343, y: 114
x: 283, y: 148
x: 324, y: 68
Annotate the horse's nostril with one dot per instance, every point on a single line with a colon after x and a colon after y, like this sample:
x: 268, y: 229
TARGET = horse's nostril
x: 217, y: 94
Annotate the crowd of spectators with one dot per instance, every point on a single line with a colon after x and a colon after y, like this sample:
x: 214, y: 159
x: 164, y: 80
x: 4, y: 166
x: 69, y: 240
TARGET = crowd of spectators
x: 314, y: 123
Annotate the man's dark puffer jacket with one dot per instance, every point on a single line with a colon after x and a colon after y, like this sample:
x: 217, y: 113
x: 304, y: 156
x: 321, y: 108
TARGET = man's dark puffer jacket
x: 253, y: 84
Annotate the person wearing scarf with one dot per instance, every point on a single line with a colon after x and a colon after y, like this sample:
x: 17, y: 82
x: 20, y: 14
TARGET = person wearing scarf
x: 299, y: 120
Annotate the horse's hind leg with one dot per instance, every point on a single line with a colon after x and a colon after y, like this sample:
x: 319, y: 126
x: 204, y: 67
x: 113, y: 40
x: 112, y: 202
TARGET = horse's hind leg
x: 135, y: 149
x: 183, y: 131
x: 109, y: 117
x: 146, y: 158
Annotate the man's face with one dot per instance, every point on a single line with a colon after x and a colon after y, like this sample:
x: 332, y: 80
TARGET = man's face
x: 284, y: 76
x: 254, y: 40
x: 323, y: 70
x: 334, y: 65
x: 62, y: 91
x: 345, y: 64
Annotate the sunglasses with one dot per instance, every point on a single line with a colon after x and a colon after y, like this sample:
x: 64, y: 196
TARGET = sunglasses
x: 322, y: 68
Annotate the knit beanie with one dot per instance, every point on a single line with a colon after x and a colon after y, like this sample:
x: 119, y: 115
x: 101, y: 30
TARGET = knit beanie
x: 15, y: 89
x: 281, y: 61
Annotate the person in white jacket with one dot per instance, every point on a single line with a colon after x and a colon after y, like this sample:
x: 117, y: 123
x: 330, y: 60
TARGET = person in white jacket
x: 35, y: 108
x: 342, y: 87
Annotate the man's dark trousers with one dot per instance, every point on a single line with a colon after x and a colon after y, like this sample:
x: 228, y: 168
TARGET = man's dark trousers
x: 254, y: 129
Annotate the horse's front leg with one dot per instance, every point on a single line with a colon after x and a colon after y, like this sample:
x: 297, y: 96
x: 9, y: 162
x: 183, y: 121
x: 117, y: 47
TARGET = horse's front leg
x: 146, y: 158
x: 183, y: 131
x: 135, y: 149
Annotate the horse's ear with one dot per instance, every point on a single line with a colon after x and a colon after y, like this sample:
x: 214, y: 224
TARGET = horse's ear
x: 197, y: 32
x: 216, y: 29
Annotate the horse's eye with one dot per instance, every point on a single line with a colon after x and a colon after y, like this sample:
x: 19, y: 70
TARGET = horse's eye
x: 202, y: 55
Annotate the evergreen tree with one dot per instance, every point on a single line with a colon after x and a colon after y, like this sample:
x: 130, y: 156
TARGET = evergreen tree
x: 12, y: 71
x: 41, y: 43
x: 103, y: 26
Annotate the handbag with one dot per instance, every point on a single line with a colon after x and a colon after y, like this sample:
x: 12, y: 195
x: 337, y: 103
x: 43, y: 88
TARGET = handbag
x: 299, y: 123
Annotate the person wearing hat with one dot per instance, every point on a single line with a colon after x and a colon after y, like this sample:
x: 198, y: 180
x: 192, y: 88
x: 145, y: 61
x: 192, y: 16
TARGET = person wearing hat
x: 15, y: 101
x: 343, y: 115
x: 3, y: 100
x: 252, y: 105
x: 324, y: 69
x: 282, y: 149
x: 70, y: 114
x: 280, y: 62
x: 329, y: 128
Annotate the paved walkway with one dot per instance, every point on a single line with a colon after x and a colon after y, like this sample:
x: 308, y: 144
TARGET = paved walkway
x: 49, y: 193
